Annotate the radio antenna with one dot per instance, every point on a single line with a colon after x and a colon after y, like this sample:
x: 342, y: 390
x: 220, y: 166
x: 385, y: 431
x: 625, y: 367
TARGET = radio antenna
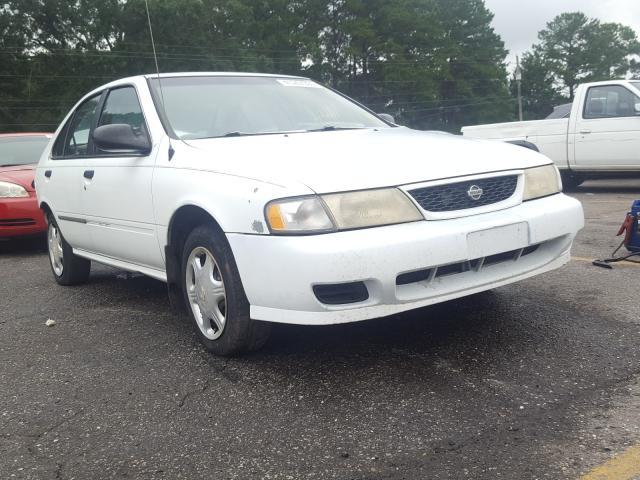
x: 155, y: 58
x: 153, y: 46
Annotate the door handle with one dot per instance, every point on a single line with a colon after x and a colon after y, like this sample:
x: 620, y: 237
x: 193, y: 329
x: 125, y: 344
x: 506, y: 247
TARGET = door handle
x: 585, y: 132
x: 88, y: 174
x: 47, y: 173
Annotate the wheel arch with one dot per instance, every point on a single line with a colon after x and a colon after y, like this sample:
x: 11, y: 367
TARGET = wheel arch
x: 44, y: 206
x: 182, y: 222
x: 185, y: 219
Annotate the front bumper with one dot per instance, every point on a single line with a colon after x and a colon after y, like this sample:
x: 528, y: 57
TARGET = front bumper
x: 21, y: 217
x: 278, y: 272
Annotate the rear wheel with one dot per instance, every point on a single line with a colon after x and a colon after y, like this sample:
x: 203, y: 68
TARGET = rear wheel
x: 214, y: 294
x: 67, y: 268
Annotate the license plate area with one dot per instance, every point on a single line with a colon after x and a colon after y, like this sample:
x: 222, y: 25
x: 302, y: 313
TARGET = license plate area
x: 484, y: 243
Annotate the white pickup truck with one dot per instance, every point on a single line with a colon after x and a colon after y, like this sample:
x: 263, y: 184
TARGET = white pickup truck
x: 599, y: 137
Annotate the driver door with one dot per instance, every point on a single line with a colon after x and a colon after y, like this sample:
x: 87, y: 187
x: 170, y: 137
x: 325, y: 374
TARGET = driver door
x: 608, y: 130
x: 117, y: 189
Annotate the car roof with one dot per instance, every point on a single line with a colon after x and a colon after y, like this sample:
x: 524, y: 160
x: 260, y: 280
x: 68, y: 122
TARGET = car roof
x: 610, y: 82
x: 197, y: 74
x: 147, y: 76
x: 219, y: 74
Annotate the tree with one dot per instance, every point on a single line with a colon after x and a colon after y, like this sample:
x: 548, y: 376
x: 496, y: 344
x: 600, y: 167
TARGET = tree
x: 433, y: 64
x: 577, y: 49
x: 540, y: 92
x: 475, y: 77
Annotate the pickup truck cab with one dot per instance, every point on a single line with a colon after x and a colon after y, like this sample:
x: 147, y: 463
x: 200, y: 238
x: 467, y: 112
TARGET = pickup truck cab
x: 599, y: 138
x: 266, y: 198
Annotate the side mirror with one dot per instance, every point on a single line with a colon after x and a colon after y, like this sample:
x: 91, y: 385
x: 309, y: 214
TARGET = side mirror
x: 121, y: 138
x: 387, y: 118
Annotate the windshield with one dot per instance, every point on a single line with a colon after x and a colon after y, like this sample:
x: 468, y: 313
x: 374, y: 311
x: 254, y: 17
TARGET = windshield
x: 218, y: 106
x: 21, y: 150
x: 636, y: 84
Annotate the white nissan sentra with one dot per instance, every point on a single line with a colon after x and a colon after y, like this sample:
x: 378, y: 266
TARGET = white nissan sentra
x: 269, y: 198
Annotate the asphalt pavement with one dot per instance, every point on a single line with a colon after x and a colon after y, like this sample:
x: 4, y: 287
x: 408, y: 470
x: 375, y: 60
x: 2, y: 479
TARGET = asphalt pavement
x: 534, y: 380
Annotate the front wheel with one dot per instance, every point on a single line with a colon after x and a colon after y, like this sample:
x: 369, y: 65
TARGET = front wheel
x: 67, y: 267
x: 214, y: 294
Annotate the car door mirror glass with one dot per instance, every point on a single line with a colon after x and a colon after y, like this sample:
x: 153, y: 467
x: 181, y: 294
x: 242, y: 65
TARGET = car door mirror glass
x: 121, y: 138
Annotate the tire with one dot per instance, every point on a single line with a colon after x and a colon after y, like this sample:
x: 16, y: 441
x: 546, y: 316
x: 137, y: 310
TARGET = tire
x: 67, y: 268
x: 570, y: 180
x: 214, y: 295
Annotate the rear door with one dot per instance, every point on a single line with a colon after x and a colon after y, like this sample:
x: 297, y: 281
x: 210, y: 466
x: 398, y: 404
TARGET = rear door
x: 117, y: 189
x: 607, y: 131
x: 61, y: 179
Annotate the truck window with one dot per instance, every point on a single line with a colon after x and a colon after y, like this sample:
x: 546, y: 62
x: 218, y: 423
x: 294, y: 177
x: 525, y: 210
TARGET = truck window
x: 610, y: 101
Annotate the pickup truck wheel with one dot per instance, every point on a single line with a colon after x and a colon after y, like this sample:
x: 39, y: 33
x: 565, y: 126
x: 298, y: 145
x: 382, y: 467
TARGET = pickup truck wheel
x: 67, y: 268
x: 570, y: 180
x: 213, y: 291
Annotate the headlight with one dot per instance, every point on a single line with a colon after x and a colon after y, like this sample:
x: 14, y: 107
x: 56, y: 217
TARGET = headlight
x: 541, y: 182
x: 371, y: 208
x: 11, y: 190
x: 297, y: 215
x: 341, y: 211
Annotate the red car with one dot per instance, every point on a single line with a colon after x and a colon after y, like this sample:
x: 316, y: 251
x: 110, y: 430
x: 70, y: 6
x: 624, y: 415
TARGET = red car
x: 19, y: 211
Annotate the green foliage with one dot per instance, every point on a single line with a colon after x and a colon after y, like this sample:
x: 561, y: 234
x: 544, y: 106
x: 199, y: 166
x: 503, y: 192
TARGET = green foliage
x: 575, y: 49
x: 431, y: 63
x: 540, y: 93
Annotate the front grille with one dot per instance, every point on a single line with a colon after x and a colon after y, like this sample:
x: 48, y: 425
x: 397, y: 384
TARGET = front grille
x: 17, y: 222
x: 460, y: 195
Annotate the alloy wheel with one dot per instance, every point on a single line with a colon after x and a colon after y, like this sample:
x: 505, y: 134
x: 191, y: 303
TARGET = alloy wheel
x: 56, y: 255
x: 206, y: 292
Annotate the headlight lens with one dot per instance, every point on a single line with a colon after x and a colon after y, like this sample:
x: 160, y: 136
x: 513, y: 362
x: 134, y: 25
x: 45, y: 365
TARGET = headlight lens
x: 371, y: 208
x: 341, y: 211
x: 541, y: 182
x: 297, y: 215
x: 11, y: 190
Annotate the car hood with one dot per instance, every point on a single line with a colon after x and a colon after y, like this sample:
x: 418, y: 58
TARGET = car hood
x: 359, y: 159
x: 23, y: 175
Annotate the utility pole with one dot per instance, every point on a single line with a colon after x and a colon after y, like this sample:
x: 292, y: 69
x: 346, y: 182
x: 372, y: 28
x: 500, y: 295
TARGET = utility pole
x: 518, y: 75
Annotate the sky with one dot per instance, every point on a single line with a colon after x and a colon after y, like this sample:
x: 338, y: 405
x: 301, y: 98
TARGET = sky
x: 519, y: 21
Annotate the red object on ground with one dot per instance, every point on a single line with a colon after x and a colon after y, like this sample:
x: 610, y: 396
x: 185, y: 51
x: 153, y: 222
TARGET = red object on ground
x: 627, y: 228
x: 20, y: 216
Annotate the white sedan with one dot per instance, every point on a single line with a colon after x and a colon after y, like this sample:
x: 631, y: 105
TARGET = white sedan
x: 264, y: 198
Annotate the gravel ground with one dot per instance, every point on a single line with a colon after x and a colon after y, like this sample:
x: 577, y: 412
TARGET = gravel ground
x: 534, y: 380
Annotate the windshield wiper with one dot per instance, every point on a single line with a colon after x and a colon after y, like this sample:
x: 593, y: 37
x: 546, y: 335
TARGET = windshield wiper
x: 332, y: 128
x: 327, y: 128
x: 236, y: 134
x: 246, y: 134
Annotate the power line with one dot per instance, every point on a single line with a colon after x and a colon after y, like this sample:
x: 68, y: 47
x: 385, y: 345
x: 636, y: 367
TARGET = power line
x: 195, y: 56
